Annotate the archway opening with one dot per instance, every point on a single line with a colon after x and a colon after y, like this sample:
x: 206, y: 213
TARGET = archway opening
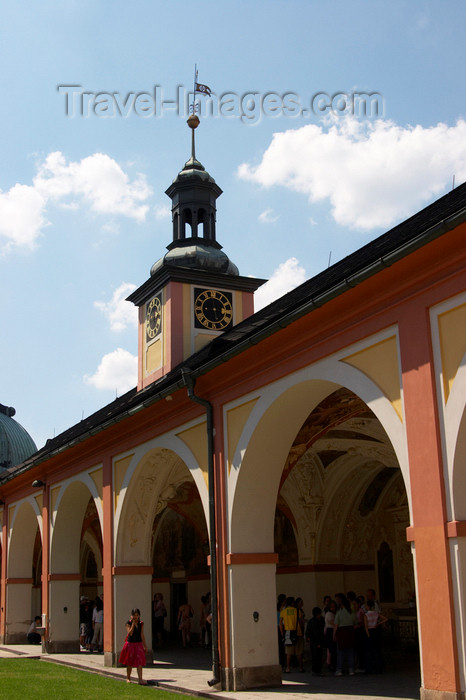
x: 162, y: 529
x: 91, y: 553
x: 341, y: 516
x: 24, y: 569
x: 180, y: 546
x: 75, y: 567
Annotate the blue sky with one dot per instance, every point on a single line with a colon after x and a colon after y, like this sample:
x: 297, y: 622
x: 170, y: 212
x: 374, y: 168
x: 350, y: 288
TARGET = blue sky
x: 83, y: 214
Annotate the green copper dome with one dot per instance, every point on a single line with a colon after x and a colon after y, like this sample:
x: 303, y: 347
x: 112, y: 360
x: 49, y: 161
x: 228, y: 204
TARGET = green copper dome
x: 16, y: 445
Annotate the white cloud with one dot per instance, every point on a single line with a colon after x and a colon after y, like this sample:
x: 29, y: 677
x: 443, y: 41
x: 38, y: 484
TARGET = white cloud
x: 286, y: 277
x: 98, y: 180
x: 22, y: 216
x: 373, y: 173
x: 162, y: 211
x: 268, y: 217
x: 117, y: 371
x: 120, y: 313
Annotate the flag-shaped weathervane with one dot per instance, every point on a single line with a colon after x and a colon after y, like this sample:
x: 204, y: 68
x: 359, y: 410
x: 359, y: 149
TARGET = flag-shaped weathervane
x: 199, y: 87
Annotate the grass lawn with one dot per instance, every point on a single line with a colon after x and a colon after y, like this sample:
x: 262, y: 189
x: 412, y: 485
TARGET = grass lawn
x: 32, y: 679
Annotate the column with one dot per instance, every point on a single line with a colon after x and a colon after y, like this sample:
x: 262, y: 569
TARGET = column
x: 45, y: 561
x: 253, y: 632
x: 132, y: 588
x: 3, y: 575
x: 63, y: 616
x: 107, y: 554
x: 440, y: 678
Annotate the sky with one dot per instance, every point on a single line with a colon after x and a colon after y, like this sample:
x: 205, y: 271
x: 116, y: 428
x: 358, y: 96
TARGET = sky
x: 330, y: 121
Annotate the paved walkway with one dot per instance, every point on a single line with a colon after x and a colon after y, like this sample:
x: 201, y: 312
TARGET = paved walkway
x: 189, y: 670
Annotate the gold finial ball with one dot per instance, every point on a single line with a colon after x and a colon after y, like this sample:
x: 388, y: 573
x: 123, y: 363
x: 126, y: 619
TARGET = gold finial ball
x: 193, y: 121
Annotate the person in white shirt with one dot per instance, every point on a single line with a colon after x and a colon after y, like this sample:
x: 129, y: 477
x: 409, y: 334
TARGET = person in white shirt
x: 97, y: 624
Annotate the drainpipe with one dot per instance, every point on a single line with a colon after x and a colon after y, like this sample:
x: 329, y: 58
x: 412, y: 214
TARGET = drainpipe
x: 189, y: 382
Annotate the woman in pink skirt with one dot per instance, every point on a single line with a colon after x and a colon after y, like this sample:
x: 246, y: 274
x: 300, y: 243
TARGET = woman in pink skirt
x: 134, y: 648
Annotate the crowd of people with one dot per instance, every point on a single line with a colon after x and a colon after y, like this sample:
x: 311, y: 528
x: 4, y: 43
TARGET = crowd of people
x: 343, y: 636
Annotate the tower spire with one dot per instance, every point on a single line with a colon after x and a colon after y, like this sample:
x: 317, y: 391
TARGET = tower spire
x: 193, y: 122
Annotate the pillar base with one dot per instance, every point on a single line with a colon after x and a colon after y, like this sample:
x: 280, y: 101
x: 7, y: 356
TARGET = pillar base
x: 62, y: 646
x: 16, y: 638
x: 427, y: 694
x: 111, y: 659
x: 243, y: 678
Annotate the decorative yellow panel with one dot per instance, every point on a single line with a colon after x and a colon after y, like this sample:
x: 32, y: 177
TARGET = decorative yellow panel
x: 236, y: 420
x: 97, y: 477
x: 380, y: 363
x: 196, y: 439
x: 238, y: 307
x: 154, y: 356
x: 452, y: 334
x: 187, y: 321
x: 119, y: 470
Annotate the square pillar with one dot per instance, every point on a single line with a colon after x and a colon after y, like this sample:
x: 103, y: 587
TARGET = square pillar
x: 18, y: 610
x: 63, y: 622
x: 253, y: 622
x: 132, y: 588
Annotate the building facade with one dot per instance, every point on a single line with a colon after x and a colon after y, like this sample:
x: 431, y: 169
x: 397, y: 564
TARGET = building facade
x: 316, y: 445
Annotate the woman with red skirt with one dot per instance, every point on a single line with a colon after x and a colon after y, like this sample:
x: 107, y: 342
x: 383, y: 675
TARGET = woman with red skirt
x: 134, y: 649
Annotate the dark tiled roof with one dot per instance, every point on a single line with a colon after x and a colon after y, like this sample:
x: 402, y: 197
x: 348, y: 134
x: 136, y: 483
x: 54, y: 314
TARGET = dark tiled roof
x: 433, y: 221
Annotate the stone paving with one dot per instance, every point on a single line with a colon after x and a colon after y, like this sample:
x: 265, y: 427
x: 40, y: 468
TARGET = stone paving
x: 190, y: 670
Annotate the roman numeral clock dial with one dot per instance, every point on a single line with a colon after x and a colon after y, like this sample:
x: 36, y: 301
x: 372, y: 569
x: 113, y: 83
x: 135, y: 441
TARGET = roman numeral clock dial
x: 153, y: 318
x: 212, y: 309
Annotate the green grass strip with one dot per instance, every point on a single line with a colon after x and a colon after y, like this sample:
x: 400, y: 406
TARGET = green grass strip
x: 32, y: 679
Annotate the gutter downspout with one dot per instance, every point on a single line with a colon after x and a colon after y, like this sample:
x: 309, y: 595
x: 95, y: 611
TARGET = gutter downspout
x: 189, y: 382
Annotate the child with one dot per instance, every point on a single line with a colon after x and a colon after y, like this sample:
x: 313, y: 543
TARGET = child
x: 134, y: 648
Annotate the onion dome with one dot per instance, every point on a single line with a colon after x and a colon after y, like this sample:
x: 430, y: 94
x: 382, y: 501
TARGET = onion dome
x: 16, y: 445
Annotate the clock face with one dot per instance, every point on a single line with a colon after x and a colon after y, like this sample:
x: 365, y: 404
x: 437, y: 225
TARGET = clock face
x: 153, y: 318
x: 212, y: 309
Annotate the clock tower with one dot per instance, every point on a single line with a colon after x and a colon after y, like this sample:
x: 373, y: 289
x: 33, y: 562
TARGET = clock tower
x: 194, y: 292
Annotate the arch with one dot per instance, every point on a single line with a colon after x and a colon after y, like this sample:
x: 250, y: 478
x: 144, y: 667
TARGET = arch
x: 202, y: 224
x: 457, y: 442
x: 269, y: 433
x: 70, y: 509
x: 291, y: 453
x: 187, y: 218
x: 23, y: 527
x: 455, y: 419
x: 157, y: 470
x: 70, y: 501
x: 20, y: 601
